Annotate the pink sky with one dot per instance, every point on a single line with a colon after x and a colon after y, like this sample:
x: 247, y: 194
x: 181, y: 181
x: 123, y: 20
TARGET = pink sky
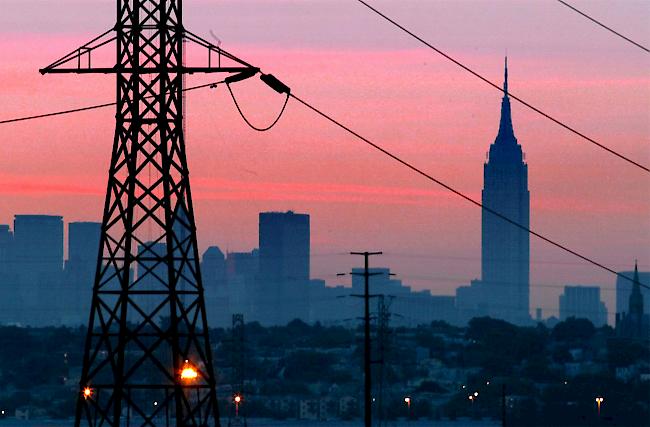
x: 383, y: 84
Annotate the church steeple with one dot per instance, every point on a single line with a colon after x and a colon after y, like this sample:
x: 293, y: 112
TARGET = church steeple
x: 506, y: 133
x: 636, y: 300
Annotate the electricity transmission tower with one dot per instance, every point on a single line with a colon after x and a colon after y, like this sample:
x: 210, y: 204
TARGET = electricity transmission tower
x: 147, y: 357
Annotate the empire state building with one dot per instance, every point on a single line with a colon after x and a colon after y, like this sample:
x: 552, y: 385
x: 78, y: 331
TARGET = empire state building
x: 505, y: 248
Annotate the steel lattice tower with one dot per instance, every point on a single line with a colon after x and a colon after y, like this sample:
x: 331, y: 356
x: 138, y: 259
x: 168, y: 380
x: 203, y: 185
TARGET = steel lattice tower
x: 147, y: 357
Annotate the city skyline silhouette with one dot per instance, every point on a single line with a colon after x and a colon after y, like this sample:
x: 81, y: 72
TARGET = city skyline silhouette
x: 316, y: 133
x: 238, y: 173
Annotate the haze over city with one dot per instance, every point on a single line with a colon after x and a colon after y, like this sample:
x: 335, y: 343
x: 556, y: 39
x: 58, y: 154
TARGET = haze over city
x: 424, y: 109
x: 399, y: 211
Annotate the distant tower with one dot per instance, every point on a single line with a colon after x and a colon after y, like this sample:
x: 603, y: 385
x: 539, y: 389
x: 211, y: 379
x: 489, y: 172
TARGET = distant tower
x: 38, y: 266
x: 505, y: 248
x: 79, y: 272
x: 284, y: 240
x: 636, y: 300
x: 635, y: 323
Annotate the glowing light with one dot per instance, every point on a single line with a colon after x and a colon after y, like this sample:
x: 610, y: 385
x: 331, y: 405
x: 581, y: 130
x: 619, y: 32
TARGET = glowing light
x: 188, y: 372
x: 155, y: 403
x: 476, y: 394
x: 407, y: 400
x: 470, y: 397
x: 237, y: 399
x: 87, y: 393
x: 599, y: 400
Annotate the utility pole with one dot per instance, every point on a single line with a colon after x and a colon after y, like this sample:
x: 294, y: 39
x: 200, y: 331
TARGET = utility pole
x: 147, y: 358
x: 383, y: 321
x: 503, y: 405
x: 366, y: 335
x: 236, y: 418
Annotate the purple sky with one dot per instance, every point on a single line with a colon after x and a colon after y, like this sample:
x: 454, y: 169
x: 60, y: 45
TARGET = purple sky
x: 345, y: 60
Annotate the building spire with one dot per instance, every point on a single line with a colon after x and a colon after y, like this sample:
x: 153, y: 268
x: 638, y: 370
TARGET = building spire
x: 636, y: 299
x: 506, y: 133
x: 505, y: 80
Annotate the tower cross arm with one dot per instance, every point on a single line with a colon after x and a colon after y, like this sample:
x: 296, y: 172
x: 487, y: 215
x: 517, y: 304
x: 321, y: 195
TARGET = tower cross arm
x: 80, y: 60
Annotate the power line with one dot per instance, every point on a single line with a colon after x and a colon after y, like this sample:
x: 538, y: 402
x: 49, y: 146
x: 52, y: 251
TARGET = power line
x: 91, y: 107
x: 521, y: 101
x: 617, y: 263
x: 57, y: 113
x: 501, y: 259
x: 604, y: 26
x: 464, y: 281
x: 457, y: 192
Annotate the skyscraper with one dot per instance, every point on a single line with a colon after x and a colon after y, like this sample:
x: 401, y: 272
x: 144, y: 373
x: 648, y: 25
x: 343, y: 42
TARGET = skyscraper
x: 38, y: 267
x: 583, y: 302
x: 284, y: 245
x: 6, y: 241
x: 7, y: 285
x: 505, y: 248
x: 83, y: 245
x: 38, y: 245
x: 284, y: 266
x: 217, y: 298
x: 245, y: 293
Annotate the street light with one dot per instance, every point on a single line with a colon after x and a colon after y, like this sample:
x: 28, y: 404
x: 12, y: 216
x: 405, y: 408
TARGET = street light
x: 472, y: 398
x: 599, y: 401
x: 87, y: 393
x: 237, y: 399
x: 407, y: 400
x: 189, y: 372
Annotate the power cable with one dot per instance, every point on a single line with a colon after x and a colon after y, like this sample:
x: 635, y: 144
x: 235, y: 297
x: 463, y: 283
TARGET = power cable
x: 57, y: 113
x: 521, y: 101
x: 457, y: 192
x: 500, y: 259
x: 93, y: 107
x: 604, y: 26
x: 259, y: 129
